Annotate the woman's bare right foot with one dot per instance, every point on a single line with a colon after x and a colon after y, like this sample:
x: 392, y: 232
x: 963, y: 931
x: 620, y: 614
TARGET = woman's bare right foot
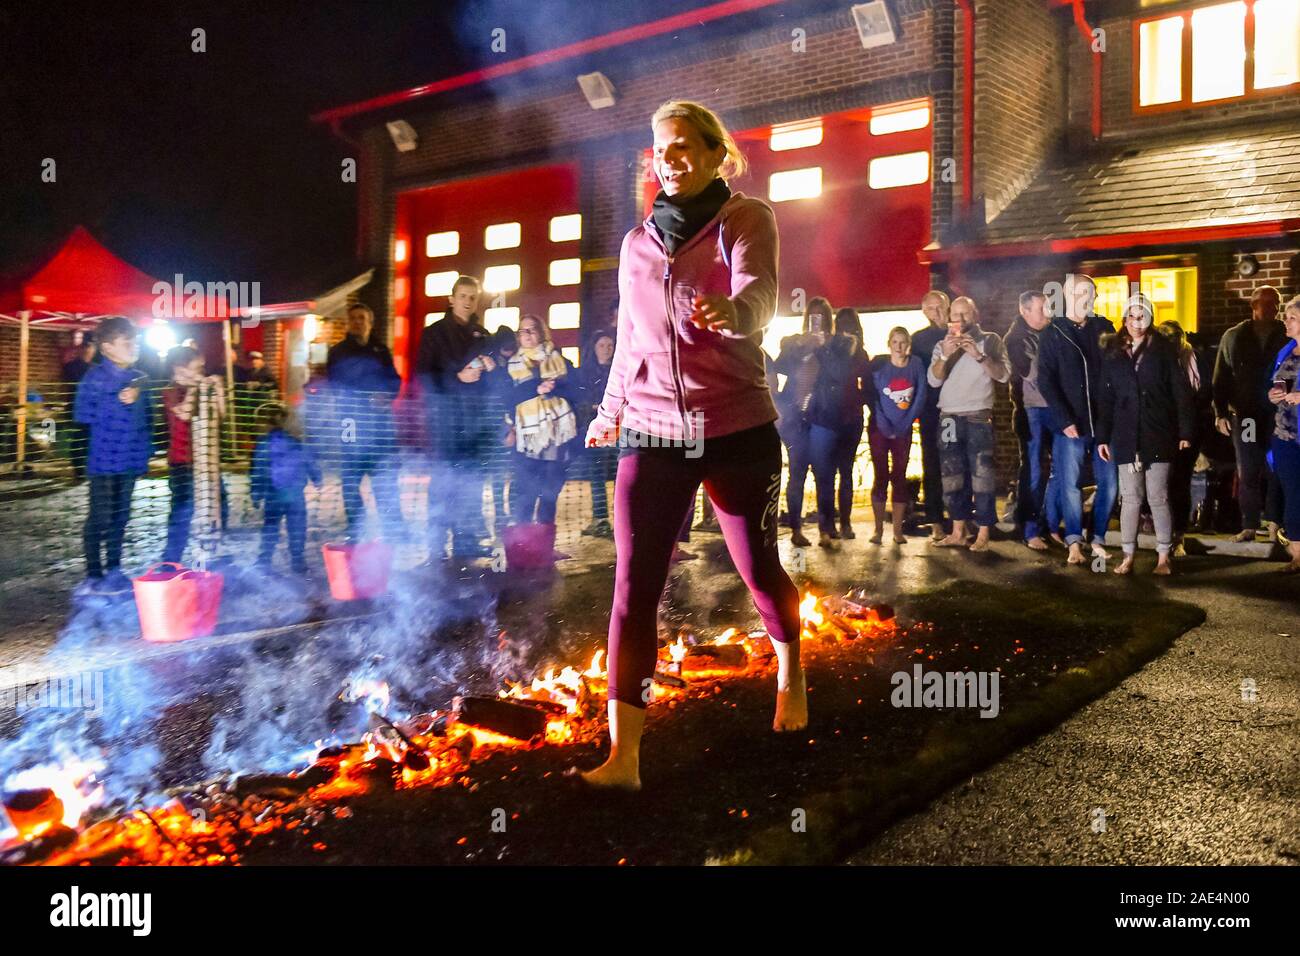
x: 615, y: 775
x: 791, y: 704
x: 951, y: 541
x: 1125, y: 566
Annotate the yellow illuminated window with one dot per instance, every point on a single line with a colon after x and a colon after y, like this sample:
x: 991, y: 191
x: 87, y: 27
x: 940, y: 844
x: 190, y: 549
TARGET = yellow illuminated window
x: 504, y: 235
x: 1160, y: 76
x: 1173, y: 293
x: 439, y: 283
x: 1277, y: 43
x: 898, y: 119
x: 795, y: 184
x: 1218, y: 52
x: 504, y: 315
x: 570, y: 352
x: 795, y: 136
x: 905, y: 169
x: 566, y: 272
x: 566, y: 228
x: 501, y: 278
x: 399, y: 288
x: 1112, y: 293
x: 441, y: 244
x: 399, y: 250
x: 564, y: 315
x: 432, y: 317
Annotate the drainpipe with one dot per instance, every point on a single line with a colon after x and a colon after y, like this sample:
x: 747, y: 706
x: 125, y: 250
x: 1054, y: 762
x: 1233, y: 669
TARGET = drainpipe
x: 1081, y: 21
x: 967, y: 105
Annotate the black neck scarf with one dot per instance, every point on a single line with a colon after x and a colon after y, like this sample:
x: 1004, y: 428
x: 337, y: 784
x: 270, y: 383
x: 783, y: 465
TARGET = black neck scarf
x: 677, y: 222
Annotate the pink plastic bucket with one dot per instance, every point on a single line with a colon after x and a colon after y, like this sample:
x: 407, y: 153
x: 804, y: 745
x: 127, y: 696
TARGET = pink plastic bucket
x: 177, y: 604
x: 357, y: 571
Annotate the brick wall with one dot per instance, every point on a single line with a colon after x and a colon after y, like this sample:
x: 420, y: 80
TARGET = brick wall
x: 1119, y: 118
x: 44, y: 357
x: 1225, y: 297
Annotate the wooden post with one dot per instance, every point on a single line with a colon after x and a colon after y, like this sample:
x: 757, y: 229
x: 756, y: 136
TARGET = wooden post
x: 20, y: 410
x: 232, y: 414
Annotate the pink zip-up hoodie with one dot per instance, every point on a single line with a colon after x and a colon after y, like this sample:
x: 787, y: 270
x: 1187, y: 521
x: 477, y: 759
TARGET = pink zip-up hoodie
x: 669, y: 378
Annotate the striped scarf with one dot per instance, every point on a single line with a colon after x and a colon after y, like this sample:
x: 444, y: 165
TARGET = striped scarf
x: 544, y: 421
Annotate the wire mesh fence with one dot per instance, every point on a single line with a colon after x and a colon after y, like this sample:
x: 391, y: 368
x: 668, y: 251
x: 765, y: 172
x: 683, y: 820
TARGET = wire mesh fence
x: 247, y: 477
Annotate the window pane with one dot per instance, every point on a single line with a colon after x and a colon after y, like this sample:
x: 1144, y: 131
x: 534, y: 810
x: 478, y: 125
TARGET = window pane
x: 439, y: 283
x: 906, y: 169
x: 1277, y: 43
x: 1112, y: 294
x: 795, y: 184
x: 565, y: 272
x: 432, y: 317
x: 566, y: 228
x: 1160, y: 61
x: 1218, y: 52
x: 505, y: 315
x: 564, y: 315
x: 441, y: 244
x: 504, y: 235
x: 1173, y: 293
x: 795, y: 136
x: 500, y: 278
x: 897, y: 120
x: 399, y: 250
x: 570, y: 352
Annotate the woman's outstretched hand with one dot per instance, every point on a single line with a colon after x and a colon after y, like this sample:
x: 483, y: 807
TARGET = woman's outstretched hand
x: 599, y: 436
x: 714, y: 312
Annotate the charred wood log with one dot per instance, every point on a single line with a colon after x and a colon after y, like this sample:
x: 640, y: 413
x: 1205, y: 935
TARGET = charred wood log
x: 710, y: 657
x: 39, y: 848
x: 669, y: 680
x: 510, y: 718
x: 278, y: 786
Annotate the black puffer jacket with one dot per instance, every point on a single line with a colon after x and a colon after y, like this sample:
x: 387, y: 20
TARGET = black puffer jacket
x: 1144, y: 409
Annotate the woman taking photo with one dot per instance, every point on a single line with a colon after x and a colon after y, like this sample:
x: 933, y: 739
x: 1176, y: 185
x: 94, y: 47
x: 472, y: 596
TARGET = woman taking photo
x: 1284, y: 449
x: 544, y: 426
x: 695, y: 383
x: 1145, y: 417
x: 896, y: 397
x: 851, y: 370
x: 800, y: 361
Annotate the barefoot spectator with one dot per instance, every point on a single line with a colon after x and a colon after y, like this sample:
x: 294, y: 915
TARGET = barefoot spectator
x: 1035, y: 495
x: 848, y: 328
x: 1145, y: 417
x: 964, y: 366
x: 113, y: 404
x: 1069, y: 378
x: 935, y: 305
x: 896, y: 394
x: 1284, y: 393
x: 835, y: 427
x: 1242, y: 409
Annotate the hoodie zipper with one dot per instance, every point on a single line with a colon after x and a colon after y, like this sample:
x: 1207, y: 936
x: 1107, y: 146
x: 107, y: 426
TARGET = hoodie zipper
x: 1087, y: 386
x: 679, y: 389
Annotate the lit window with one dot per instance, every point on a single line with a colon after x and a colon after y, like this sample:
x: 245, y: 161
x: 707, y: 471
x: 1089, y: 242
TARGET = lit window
x: 439, y: 283
x: 905, y: 169
x: 566, y: 228
x: 795, y: 184
x: 432, y: 317
x: 505, y: 315
x: 1218, y: 52
x: 441, y: 244
x: 1112, y: 293
x: 1173, y: 293
x: 500, y: 278
x: 399, y: 288
x: 566, y: 272
x: 504, y: 235
x: 899, y: 119
x: 1160, y: 68
x: 570, y: 352
x: 564, y: 315
x: 795, y: 136
x: 399, y: 250
x: 1277, y: 43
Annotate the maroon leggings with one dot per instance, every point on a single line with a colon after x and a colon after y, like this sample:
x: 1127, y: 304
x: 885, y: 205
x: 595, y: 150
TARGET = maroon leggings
x: 652, y: 492
x: 889, y: 460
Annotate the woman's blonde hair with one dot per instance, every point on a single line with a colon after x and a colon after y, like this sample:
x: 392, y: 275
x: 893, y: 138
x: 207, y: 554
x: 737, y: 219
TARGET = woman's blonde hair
x: 542, y: 324
x: 711, y: 128
x: 1292, y: 305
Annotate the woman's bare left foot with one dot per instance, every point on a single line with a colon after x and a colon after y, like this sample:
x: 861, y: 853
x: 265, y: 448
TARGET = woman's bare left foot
x: 792, y: 704
x: 981, y: 542
x: 612, y: 775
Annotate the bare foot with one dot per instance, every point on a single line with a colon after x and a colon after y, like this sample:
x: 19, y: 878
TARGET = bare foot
x: 792, y: 704
x: 1098, y: 551
x: 981, y: 542
x: 1125, y: 566
x: 1162, y: 565
x: 613, y: 775
x: 1036, y: 544
x: 951, y: 541
x: 1076, y: 554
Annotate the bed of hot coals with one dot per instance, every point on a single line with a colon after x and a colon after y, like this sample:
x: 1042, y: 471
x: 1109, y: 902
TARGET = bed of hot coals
x: 60, y: 818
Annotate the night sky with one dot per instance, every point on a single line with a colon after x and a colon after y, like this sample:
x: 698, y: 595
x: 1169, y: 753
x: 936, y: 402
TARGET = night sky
x: 207, y: 163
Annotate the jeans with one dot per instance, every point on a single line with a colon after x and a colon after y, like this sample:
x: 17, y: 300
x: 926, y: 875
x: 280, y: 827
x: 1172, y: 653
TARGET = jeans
x: 1067, y: 462
x: 110, y: 509
x: 889, y: 463
x: 1150, y: 485
x: 537, y: 483
x: 293, y: 510
x: 1034, y: 433
x: 653, y: 493
x: 969, y: 475
x: 1257, y: 487
x: 827, y: 448
x: 1286, y: 464
x: 798, y: 448
x: 381, y: 467
x: 932, y: 471
x: 180, y: 482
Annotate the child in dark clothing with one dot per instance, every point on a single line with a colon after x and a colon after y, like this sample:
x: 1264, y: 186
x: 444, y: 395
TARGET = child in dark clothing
x: 112, y: 403
x: 282, y: 466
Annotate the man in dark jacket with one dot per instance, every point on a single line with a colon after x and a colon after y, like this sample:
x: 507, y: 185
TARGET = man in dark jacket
x: 935, y: 305
x: 1033, y: 494
x: 452, y: 369
x: 1069, y: 378
x: 72, y: 373
x: 364, y: 383
x: 1242, y: 409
